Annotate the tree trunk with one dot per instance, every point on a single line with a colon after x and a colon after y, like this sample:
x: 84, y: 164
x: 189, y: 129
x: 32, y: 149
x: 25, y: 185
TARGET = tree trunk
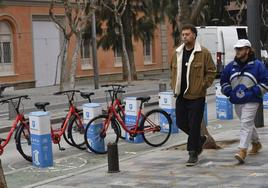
x: 124, y: 69
x: 124, y: 50
x: 210, y: 143
x: 63, y: 69
x: 129, y: 47
x: 74, y: 61
x: 132, y: 64
x: 3, y: 183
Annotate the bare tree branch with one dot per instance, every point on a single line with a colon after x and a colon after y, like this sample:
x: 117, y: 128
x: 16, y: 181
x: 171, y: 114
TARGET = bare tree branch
x: 198, y: 6
x: 53, y: 17
x: 124, y: 8
x: 239, y: 17
x: 121, y: 4
x: 108, y: 7
x: 231, y: 17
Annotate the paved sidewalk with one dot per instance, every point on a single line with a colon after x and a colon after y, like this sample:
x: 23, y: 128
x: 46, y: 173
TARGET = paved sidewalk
x: 165, y: 168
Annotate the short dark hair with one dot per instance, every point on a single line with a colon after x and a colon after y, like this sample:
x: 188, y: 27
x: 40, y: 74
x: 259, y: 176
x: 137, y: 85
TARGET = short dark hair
x: 191, y: 27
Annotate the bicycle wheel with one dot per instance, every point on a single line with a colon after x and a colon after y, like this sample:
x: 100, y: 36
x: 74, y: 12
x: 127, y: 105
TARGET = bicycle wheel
x: 23, y: 142
x: 76, y: 131
x: 156, y: 126
x: 97, y: 138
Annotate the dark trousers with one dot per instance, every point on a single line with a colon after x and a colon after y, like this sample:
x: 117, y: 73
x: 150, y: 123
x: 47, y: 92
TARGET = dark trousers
x: 189, y: 115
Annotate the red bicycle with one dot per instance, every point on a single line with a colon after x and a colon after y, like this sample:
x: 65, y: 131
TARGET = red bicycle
x: 106, y: 128
x: 73, y: 122
x: 21, y: 128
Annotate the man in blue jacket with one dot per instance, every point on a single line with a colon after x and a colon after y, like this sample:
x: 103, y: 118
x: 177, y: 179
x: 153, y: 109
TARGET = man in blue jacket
x: 244, y: 81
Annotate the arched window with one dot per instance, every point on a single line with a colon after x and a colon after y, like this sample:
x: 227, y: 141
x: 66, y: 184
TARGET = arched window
x: 5, y: 47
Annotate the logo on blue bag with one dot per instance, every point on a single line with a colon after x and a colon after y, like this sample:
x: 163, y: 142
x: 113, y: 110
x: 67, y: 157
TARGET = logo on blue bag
x: 165, y: 100
x: 87, y: 114
x: 33, y: 124
x: 130, y: 106
x: 240, y: 93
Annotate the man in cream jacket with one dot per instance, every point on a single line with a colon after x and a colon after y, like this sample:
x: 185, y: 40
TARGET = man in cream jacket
x: 192, y: 72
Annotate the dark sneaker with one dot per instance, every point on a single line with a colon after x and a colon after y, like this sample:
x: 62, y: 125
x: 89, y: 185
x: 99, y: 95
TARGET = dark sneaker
x: 203, y: 141
x: 193, y: 159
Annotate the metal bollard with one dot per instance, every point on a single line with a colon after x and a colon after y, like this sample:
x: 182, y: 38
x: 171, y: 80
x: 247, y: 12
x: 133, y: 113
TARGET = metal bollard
x: 113, y: 160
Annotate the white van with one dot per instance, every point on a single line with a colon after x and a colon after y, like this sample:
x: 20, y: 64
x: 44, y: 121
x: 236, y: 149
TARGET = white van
x: 220, y: 41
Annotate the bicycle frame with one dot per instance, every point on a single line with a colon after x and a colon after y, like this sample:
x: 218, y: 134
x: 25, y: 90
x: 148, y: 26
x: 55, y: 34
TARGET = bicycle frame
x: 19, y: 118
x: 112, y: 112
x: 55, y: 134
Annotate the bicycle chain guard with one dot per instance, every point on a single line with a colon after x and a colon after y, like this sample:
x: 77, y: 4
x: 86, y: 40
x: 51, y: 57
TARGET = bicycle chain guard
x: 132, y: 134
x: 56, y: 138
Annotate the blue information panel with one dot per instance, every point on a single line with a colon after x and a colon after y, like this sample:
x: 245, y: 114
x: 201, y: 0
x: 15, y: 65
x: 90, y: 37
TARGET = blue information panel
x: 42, y: 150
x: 224, y: 108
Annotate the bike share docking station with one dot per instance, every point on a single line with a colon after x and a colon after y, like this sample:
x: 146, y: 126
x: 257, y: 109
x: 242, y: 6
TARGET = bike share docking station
x: 265, y: 101
x: 167, y: 102
x: 91, y: 110
x: 131, y: 116
x: 41, y: 139
x: 224, y: 109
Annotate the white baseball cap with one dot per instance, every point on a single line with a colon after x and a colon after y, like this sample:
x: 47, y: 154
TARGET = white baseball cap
x: 242, y: 43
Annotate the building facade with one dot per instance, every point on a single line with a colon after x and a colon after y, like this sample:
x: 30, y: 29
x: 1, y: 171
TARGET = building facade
x: 30, y: 45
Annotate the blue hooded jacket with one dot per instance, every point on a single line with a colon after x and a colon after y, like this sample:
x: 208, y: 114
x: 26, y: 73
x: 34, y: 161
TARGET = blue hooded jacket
x: 244, y: 83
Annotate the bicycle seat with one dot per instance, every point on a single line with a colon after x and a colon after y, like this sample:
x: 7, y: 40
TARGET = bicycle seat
x: 41, y: 105
x: 86, y: 95
x: 143, y: 99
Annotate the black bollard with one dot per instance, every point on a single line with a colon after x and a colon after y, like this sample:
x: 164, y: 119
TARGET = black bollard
x: 113, y: 160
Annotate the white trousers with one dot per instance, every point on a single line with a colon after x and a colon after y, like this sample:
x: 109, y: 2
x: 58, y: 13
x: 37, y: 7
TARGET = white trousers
x: 248, y: 132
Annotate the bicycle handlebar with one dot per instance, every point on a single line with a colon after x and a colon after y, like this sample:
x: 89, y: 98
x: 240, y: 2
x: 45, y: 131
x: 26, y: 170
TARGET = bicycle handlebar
x: 117, y: 91
x: 66, y: 92
x: 16, y: 97
x: 114, y: 85
x: 15, y: 105
x: 70, y: 95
